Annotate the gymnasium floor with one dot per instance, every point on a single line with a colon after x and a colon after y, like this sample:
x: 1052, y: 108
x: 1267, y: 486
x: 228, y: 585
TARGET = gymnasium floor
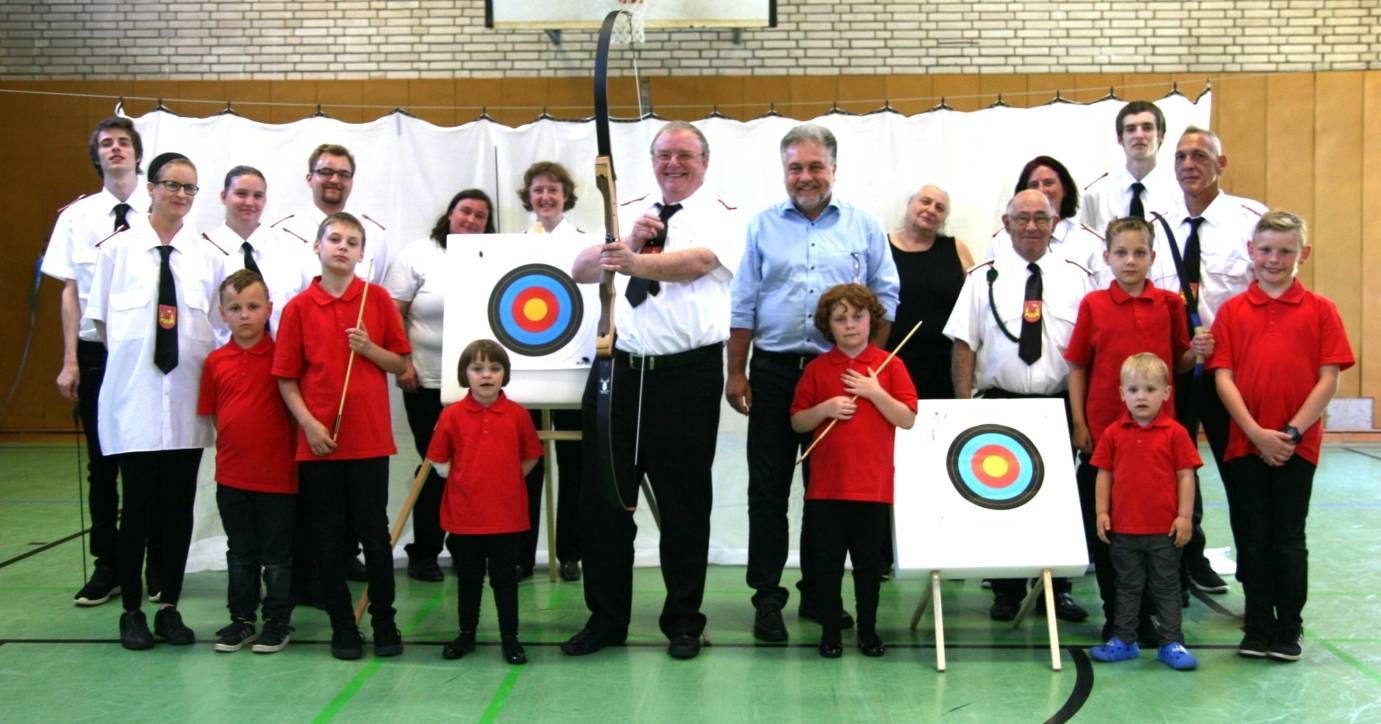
x: 62, y: 663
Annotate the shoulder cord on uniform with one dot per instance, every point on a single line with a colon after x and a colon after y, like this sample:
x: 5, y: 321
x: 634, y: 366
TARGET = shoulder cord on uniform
x: 992, y: 304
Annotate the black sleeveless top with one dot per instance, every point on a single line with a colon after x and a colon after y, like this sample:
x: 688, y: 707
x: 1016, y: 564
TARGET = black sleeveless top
x: 930, y: 285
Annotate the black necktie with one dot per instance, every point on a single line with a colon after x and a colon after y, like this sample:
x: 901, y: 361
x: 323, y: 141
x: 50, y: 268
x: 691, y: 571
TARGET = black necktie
x: 249, y: 258
x: 165, y: 334
x: 121, y: 221
x: 1029, y: 348
x: 1137, y: 209
x: 1191, y: 252
x: 638, y: 288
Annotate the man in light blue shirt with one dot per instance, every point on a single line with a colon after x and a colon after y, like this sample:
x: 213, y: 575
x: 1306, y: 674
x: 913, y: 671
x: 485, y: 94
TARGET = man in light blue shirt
x: 795, y: 251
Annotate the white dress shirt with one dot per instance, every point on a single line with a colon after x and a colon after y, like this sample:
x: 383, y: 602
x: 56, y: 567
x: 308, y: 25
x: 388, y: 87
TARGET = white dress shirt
x: 1073, y: 241
x: 1225, y: 267
x: 72, y: 251
x: 303, y: 224
x: 286, y: 270
x: 1110, y: 196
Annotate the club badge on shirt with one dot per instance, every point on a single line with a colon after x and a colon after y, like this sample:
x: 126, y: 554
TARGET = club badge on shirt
x: 1032, y: 311
x: 167, y: 316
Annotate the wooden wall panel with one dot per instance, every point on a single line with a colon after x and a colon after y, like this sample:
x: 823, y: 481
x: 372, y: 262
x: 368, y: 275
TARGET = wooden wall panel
x: 960, y: 92
x: 1242, y: 116
x: 438, y: 92
x: 674, y: 98
x: 1290, y: 150
x: 862, y: 93
x: 1337, y: 220
x: 723, y: 94
x: 909, y: 94
x: 1366, y: 342
x: 342, y: 99
x: 1010, y: 89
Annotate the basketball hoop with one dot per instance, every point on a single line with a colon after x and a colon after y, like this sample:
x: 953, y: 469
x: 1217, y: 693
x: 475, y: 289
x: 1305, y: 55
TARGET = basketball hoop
x: 628, y: 29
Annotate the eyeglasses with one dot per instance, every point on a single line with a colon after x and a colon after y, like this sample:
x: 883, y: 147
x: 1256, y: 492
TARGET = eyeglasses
x: 682, y: 157
x: 174, y: 187
x: 1040, y: 220
x: 329, y: 173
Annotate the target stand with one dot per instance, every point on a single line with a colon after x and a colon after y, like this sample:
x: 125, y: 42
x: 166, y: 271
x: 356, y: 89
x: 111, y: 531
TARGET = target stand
x: 978, y: 498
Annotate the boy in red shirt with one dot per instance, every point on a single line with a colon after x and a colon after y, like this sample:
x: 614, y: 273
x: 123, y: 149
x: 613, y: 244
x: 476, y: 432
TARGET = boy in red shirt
x: 1145, y: 487
x: 485, y: 445
x: 1280, y: 350
x: 255, y: 472
x: 1132, y: 315
x: 849, y: 497
x: 346, y: 475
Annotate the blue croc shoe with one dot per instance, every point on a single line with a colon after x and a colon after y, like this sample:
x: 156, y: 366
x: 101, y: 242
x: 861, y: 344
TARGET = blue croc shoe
x: 1115, y: 650
x: 1177, y: 657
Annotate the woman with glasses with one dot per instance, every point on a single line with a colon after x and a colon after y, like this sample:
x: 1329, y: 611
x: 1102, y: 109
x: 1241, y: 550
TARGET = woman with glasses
x: 417, y: 281
x: 151, y: 298
x: 1068, y: 238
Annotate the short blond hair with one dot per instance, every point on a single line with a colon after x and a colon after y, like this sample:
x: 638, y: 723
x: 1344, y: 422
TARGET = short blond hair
x: 1147, y: 366
x: 1130, y: 224
x: 1283, y: 221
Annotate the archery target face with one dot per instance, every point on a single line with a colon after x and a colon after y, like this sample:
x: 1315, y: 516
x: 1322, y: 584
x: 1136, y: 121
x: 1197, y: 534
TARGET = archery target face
x: 995, y: 467
x: 535, y: 310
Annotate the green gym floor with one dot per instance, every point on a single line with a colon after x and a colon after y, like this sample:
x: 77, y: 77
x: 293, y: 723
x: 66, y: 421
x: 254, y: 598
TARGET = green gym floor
x: 63, y: 663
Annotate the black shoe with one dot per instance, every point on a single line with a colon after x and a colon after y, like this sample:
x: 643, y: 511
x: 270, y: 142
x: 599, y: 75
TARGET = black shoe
x: 235, y: 636
x: 388, y: 641
x: 273, y: 638
x: 522, y: 572
x: 153, y: 582
x: 1147, y: 634
x: 1254, y: 646
x: 1067, y: 610
x: 513, y: 651
x: 347, y: 643
x: 463, y: 644
x: 134, y: 631
x: 807, y: 612
x: 885, y: 574
x: 871, y: 645
x: 588, y: 641
x: 570, y: 571
x: 168, y: 625
x: 355, y: 570
x: 104, y: 583
x: 1184, y: 597
x: 1004, y: 608
x: 1285, y: 649
x: 831, y: 649
x: 768, y: 625
x: 1203, y: 577
x: 425, y: 570
x: 684, y: 646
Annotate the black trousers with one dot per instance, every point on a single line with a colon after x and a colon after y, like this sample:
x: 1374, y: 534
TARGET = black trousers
x: 680, y: 422
x: 423, y: 409
x: 1213, y: 417
x: 340, y: 492
x: 102, y: 472
x: 159, y: 489
x: 1269, y: 506
x: 838, y: 527
x: 1148, y: 573
x: 258, y: 529
x: 471, y: 554
x: 772, y: 451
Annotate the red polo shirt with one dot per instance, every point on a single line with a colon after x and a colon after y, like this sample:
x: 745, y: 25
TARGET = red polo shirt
x: 855, y: 461
x: 1275, y: 348
x: 255, y: 439
x: 1144, y: 462
x: 313, y: 349
x: 486, y: 446
x: 1112, y: 326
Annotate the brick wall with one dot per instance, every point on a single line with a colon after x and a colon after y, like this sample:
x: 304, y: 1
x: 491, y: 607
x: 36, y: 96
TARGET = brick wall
x: 220, y: 39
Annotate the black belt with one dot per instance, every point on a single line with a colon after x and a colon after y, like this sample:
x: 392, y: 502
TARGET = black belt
x: 671, y: 361
x: 783, y: 359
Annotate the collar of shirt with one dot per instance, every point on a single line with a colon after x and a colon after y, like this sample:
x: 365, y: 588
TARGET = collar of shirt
x: 185, y: 241
x: 870, y: 354
x: 470, y: 404
x: 319, y: 294
x: 787, y: 209
x: 1121, y: 296
x: 1162, y: 419
x: 263, y: 347
x: 1258, y: 297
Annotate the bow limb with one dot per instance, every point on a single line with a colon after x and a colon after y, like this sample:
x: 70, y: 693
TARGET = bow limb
x: 608, y: 296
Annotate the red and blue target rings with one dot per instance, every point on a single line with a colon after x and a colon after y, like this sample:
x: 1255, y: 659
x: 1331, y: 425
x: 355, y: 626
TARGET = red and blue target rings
x: 995, y: 467
x: 535, y: 310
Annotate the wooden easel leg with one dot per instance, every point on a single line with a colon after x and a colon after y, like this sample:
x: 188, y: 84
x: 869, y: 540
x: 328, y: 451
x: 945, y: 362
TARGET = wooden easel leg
x: 921, y: 606
x: 939, y: 622
x: 1051, y: 627
x: 1029, y: 603
x: 549, y: 464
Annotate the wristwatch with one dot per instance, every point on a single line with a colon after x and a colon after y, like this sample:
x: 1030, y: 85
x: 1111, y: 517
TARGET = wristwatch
x: 1295, y: 435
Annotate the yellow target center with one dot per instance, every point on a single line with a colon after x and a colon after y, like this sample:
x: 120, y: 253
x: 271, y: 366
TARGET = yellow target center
x: 535, y: 309
x: 995, y: 466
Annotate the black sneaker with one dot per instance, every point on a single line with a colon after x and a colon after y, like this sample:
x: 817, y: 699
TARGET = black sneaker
x: 684, y: 646
x: 768, y: 624
x: 1253, y: 645
x: 168, y: 625
x: 425, y: 570
x: 134, y: 631
x: 388, y: 641
x: 235, y: 636
x: 273, y: 638
x: 1285, y: 649
x: 589, y: 640
x: 104, y: 583
x: 1204, y: 578
x: 570, y: 571
x: 463, y: 644
x: 1066, y: 608
x: 513, y: 651
x: 347, y: 643
x: 871, y: 645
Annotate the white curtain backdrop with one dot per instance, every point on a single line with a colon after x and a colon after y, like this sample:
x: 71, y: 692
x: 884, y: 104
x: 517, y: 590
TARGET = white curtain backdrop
x: 407, y: 169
